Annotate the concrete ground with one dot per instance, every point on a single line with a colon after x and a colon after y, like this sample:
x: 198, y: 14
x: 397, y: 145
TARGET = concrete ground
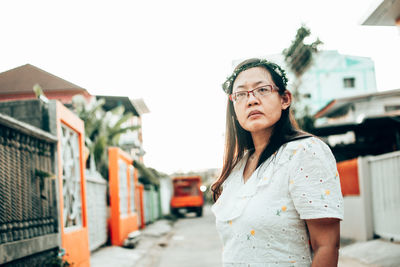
x: 372, y: 253
x: 195, y: 243
x: 155, y: 237
x: 155, y: 234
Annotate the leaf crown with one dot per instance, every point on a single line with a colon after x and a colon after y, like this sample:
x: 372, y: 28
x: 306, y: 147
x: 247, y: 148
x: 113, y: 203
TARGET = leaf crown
x: 227, y: 85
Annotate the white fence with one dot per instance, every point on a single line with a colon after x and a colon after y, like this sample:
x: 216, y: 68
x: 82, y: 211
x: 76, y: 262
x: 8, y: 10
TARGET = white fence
x: 96, y: 193
x: 166, y: 191
x: 385, y: 189
x: 151, y: 204
x: 376, y: 211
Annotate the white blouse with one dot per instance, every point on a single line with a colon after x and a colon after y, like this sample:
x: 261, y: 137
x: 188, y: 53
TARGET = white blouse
x: 261, y: 222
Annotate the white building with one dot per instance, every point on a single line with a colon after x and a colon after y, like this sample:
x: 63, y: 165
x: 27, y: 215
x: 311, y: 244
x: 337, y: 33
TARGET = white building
x: 347, y: 110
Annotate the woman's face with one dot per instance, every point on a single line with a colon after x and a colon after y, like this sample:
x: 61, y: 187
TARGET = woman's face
x: 258, y: 113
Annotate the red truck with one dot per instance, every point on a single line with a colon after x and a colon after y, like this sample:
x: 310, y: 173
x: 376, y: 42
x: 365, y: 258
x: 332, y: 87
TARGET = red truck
x: 187, y: 195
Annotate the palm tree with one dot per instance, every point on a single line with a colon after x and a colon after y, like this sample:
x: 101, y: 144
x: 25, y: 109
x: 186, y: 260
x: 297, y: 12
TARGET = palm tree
x: 102, y: 128
x: 299, y: 57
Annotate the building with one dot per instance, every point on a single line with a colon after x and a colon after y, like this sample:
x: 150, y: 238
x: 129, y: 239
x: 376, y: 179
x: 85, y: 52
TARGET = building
x: 132, y: 141
x: 383, y: 13
x: 332, y: 75
x: 367, y: 124
x: 350, y: 110
x: 17, y: 84
x: 364, y: 133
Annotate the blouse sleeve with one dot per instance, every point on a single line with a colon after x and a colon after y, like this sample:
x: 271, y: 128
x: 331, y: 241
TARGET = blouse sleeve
x: 314, y: 183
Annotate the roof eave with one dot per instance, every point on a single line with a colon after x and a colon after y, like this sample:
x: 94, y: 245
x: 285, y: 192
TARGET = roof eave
x: 382, y: 13
x: 124, y: 100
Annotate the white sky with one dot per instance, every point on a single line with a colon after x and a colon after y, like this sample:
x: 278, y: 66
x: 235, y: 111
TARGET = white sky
x: 176, y: 54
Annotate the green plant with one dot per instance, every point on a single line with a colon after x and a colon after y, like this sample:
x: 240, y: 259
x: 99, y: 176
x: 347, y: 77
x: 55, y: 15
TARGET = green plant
x: 56, y: 260
x: 299, y: 57
x: 147, y: 175
x: 102, y: 128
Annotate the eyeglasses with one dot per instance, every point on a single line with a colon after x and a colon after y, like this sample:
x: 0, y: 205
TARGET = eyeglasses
x: 259, y: 92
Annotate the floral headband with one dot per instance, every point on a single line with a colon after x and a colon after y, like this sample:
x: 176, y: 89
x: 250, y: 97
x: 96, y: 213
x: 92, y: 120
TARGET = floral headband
x: 227, y: 85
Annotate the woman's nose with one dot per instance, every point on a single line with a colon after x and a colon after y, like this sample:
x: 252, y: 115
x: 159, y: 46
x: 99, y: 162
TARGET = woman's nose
x: 252, y: 99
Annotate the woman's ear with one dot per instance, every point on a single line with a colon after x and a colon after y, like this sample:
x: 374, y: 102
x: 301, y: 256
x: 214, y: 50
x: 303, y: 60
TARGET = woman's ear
x: 286, y: 99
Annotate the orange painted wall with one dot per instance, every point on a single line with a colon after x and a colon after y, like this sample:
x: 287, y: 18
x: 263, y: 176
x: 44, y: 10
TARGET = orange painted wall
x: 120, y: 225
x: 128, y: 224
x: 76, y: 241
x: 348, y: 172
x: 76, y: 244
x: 140, y: 190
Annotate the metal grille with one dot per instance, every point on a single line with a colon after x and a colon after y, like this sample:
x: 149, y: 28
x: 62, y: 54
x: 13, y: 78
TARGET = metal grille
x: 27, y: 194
x: 71, y: 177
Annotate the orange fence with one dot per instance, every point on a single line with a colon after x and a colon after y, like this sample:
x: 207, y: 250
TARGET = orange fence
x: 123, y: 183
x: 348, y: 172
x: 72, y: 187
x: 140, y: 201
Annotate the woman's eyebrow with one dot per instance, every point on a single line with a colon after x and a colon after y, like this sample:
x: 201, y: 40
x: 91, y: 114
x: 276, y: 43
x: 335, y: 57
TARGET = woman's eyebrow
x: 254, y: 84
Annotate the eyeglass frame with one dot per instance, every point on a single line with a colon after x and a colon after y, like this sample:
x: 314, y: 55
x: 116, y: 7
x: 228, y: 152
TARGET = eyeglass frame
x: 271, y: 87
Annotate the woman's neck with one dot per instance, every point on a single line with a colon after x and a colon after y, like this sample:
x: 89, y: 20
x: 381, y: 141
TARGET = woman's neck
x: 260, y: 141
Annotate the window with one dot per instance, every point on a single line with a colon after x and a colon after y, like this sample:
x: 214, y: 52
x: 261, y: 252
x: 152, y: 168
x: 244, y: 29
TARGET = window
x: 392, y: 108
x: 349, y: 82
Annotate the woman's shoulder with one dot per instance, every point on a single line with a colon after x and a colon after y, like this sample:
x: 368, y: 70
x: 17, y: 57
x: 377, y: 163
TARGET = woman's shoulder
x: 307, y: 142
x: 310, y: 146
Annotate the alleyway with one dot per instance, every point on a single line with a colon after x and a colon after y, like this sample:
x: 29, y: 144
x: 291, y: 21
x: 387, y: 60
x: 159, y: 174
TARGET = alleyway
x: 195, y: 243
x: 192, y: 242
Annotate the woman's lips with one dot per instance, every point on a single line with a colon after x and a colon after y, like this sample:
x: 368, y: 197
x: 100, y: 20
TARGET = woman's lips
x: 254, y: 114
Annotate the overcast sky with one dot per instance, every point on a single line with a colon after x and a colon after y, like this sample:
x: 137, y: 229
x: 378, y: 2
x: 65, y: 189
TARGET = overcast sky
x: 176, y: 54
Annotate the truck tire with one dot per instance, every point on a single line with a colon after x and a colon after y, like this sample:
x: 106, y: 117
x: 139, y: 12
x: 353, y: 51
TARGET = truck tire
x: 175, y: 212
x: 199, y: 212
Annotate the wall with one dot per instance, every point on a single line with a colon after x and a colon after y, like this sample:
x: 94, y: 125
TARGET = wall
x: 357, y: 222
x: 123, y: 208
x: 384, y: 171
x: 97, y: 209
x: 33, y: 112
x: 166, y: 191
x: 324, y: 80
x: 28, y: 206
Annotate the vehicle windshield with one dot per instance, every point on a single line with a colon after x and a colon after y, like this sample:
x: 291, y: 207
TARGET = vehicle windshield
x: 186, y: 188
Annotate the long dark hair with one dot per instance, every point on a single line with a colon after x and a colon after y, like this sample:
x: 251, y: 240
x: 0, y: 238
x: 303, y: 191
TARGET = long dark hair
x: 238, y: 140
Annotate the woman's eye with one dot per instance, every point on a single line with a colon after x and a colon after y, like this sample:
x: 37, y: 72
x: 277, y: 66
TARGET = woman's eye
x: 241, y: 94
x: 262, y: 90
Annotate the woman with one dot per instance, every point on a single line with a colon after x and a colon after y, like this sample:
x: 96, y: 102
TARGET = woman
x: 278, y: 199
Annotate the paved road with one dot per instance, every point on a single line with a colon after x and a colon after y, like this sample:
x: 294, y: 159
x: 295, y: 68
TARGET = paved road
x: 193, y: 242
